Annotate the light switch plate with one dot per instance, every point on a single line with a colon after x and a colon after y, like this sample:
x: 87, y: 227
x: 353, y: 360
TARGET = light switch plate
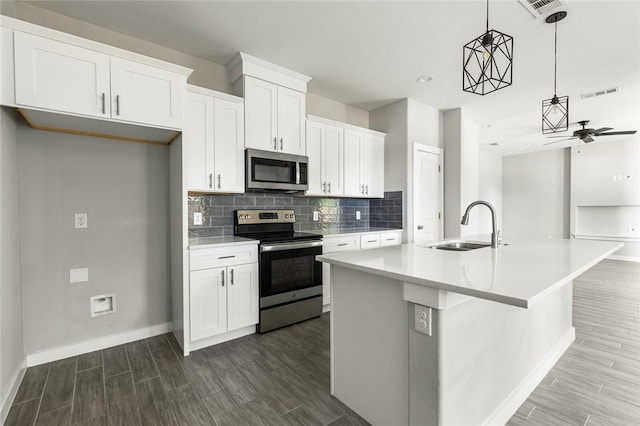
x: 197, y: 218
x: 81, y: 220
x: 316, y: 215
x: 357, y: 214
x: 79, y: 275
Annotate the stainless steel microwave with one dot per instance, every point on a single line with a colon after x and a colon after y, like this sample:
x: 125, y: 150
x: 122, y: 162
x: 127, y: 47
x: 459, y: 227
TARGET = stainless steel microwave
x: 276, y: 171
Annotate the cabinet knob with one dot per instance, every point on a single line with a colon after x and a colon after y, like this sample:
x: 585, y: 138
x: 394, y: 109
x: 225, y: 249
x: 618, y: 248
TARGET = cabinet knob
x: 420, y: 227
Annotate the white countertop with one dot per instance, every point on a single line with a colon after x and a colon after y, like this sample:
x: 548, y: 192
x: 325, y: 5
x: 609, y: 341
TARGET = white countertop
x: 208, y: 242
x: 517, y: 274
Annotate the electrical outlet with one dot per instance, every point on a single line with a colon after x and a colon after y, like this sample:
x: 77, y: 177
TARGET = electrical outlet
x: 81, y: 220
x: 79, y: 275
x: 357, y: 215
x: 197, y: 218
x: 422, y: 319
x: 316, y: 215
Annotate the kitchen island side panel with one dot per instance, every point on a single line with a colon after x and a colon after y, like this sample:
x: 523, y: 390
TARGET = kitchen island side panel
x: 370, y: 345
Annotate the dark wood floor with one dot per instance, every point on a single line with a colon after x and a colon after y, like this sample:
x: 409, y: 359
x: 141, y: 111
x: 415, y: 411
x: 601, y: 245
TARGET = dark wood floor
x: 282, y: 377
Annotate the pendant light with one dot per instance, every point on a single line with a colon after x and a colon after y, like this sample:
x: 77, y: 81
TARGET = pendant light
x: 487, y: 62
x: 555, y: 111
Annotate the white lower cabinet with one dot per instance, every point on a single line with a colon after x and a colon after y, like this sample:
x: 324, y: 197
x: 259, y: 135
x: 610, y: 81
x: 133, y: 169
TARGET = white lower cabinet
x: 222, y: 298
x: 340, y: 243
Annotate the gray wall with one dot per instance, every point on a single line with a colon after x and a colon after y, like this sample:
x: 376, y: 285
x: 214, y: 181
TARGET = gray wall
x: 536, y: 194
x: 123, y: 187
x: 489, y: 189
x: 11, y: 336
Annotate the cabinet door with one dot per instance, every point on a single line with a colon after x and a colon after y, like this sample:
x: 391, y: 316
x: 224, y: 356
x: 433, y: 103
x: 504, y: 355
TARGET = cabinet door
x: 332, y: 155
x: 372, y: 165
x: 208, y: 292
x: 242, y: 296
x: 145, y: 94
x: 260, y: 114
x: 291, y: 113
x: 197, y: 139
x: 352, y: 145
x: 326, y: 284
x: 228, y: 128
x: 315, y: 142
x: 61, y: 77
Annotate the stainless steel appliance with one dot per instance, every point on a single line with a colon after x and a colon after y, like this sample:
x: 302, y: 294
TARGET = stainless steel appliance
x: 276, y: 171
x: 290, y: 277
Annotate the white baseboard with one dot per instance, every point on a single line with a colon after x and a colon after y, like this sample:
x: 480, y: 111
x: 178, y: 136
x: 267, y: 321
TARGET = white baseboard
x: 625, y: 258
x: 91, y: 345
x: 13, y: 390
x: 508, y: 408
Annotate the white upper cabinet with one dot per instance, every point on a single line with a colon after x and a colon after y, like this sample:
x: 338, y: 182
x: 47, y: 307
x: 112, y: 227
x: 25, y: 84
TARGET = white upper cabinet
x: 66, y: 78
x: 213, y: 139
x: 274, y: 117
x: 62, y: 77
x: 325, y: 149
x: 364, y: 164
x: 145, y: 94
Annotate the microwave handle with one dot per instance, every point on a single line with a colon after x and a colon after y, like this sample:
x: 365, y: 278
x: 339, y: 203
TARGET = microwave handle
x: 297, y: 172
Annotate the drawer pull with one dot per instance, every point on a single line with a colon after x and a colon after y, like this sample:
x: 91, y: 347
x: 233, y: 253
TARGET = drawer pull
x: 227, y: 257
x: 343, y: 244
x: 371, y: 241
x: 390, y: 239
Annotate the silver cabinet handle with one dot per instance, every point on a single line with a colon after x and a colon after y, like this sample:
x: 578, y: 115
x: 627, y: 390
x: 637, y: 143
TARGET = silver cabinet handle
x: 343, y: 244
x: 210, y: 180
x: 104, y: 107
x: 232, y: 277
x: 223, y: 278
x: 227, y: 257
x: 362, y: 189
x: 275, y: 143
x: 324, y: 187
x: 390, y: 239
x: 329, y: 187
x: 281, y: 145
x: 367, y: 190
x: 420, y: 227
x: 218, y: 181
x: 117, y: 104
x: 371, y: 241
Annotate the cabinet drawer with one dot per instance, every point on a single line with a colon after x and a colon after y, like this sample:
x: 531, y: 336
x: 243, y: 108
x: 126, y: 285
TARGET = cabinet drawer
x: 333, y: 245
x: 390, y: 238
x: 369, y: 241
x: 223, y: 256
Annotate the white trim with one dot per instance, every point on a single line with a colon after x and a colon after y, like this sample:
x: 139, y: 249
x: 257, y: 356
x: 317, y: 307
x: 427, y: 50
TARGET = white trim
x: 91, y: 345
x: 214, y: 93
x: 13, y: 389
x: 224, y: 337
x: 27, y: 27
x: 625, y: 258
x: 323, y: 120
x: 510, y: 405
x: 606, y: 237
x: 244, y: 64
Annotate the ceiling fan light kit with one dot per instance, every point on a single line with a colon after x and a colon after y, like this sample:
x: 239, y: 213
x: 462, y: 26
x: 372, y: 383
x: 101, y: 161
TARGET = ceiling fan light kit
x: 487, y: 62
x: 555, y: 111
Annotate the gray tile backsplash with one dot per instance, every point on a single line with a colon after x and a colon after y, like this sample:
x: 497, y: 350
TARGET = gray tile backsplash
x: 217, y: 211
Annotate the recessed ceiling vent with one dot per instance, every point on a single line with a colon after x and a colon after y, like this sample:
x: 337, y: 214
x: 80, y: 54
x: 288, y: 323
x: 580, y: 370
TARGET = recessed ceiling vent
x: 540, y: 8
x: 599, y: 93
x: 494, y: 144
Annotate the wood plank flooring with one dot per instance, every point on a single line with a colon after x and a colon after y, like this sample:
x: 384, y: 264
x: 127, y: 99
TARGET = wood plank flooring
x: 282, y: 378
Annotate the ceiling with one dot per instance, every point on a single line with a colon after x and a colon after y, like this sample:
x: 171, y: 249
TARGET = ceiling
x: 370, y: 53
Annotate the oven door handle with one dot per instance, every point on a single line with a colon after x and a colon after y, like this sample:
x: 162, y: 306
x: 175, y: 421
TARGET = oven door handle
x: 290, y: 246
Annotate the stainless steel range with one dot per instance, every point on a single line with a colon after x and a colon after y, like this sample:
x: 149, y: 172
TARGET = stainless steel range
x: 290, y: 277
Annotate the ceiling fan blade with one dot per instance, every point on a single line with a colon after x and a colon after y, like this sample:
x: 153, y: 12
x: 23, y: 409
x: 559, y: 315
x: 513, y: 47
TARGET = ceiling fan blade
x: 602, y: 129
x: 561, y: 140
x: 559, y: 136
x: 624, y: 132
x: 588, y: 139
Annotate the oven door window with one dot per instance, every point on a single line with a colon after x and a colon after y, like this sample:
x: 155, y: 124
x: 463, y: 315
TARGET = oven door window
x: 283, y: 271
x: 276, y: 171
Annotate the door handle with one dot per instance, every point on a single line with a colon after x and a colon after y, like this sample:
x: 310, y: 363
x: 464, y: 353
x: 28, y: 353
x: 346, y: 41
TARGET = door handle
x: 223, y: 278
x: 367, y: 191
x: 420, y: 227
x: 232, y: 277
x: 362, y: 189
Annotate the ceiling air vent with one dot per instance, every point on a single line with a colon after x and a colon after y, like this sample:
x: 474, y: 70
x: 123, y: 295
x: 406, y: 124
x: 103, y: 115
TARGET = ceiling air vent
x: 494, y: 144
x: 599, y: 93
x: 540, y: 8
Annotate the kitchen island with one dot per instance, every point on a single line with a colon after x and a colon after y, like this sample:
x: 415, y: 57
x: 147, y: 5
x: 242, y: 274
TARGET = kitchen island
x: 435, y: 337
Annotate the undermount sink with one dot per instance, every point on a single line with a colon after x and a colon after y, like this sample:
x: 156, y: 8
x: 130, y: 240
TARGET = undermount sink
x: 459, y: 245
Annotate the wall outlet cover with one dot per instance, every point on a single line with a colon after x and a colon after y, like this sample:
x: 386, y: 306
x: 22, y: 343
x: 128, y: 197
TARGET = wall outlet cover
x: 79, y: 275
x: 197, y: 218
x: 316, y: 215
x: 357, y: 214
x: 422, y: 319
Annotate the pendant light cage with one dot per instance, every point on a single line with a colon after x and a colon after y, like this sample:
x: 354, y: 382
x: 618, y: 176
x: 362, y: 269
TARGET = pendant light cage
x: 487, y: 62
x: 555, y: 111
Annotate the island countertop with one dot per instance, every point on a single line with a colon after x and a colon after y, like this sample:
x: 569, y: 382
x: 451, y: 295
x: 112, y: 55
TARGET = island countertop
x: 517, y: 273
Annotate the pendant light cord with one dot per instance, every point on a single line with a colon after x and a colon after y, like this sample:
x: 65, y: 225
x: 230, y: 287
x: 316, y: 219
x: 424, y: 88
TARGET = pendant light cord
x: 555, y: 59
x: 487, y: 15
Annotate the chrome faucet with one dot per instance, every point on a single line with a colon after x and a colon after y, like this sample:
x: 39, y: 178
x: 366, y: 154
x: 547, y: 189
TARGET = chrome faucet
x: 495, y: 232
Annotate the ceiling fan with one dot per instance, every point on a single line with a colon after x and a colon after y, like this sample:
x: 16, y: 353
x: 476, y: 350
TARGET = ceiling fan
x: 586, y: 135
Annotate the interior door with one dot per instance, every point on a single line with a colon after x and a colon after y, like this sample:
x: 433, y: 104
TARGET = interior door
x: 427, y: 194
